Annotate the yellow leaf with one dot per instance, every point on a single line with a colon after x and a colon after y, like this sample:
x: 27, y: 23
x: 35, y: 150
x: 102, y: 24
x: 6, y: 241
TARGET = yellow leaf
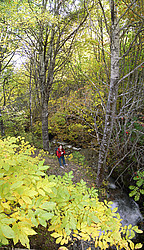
x: 31, y: 193
x: 15, y: 239
x: 56, y: 235
x: 5, y: 205
x: 47, y: 189
x: 131, y: 245
x: 28, y: 231
x: 63, y: 248
x: 63, y: 241
x: 139, y: 245
x: 58, y: 240
x: 41, y: 192
x: 24, y: 240
x: 21, y: 202
x: 16, y: 195
x: 26, y: 199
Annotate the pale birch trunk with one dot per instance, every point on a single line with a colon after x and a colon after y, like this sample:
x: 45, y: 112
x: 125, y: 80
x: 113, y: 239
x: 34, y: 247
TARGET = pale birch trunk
x: 112, y: 95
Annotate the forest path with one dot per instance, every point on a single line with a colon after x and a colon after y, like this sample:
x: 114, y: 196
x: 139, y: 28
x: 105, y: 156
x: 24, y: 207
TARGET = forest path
x: 79, y: 171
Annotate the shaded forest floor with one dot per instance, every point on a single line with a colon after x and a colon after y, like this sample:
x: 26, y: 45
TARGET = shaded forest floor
x: 79, y: 171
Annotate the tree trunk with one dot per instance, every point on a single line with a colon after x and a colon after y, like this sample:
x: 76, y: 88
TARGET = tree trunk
x: 46, y: 77
x: 54, y: 39
x: 112, y: 96
x: 45, y: 136
x: 2, y: 125
x: 30, y: 96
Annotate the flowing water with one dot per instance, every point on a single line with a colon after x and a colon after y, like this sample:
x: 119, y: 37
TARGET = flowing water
x: 127, y: 207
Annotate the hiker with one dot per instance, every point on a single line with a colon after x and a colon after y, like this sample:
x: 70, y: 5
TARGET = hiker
x: 60, y: 154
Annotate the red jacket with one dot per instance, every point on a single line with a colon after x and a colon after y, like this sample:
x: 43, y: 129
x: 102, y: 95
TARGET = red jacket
x: 59, y: 153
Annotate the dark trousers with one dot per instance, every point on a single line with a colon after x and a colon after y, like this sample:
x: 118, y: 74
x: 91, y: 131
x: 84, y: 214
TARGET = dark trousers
x: 61, y: 158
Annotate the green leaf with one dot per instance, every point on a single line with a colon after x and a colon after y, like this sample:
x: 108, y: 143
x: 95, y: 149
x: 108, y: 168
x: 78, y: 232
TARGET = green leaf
x: 8, y: 220
x: 31, y: 193
x: 42, y: 221
x: 133, y: 193
x: 142, y: 191
x: 47, y: 216
x: 6, y: 167
x: 58, y: 240
x: 41, y: 163
x: 131, y: 244
x: 7, y: 231
x: 131, y: 187
x: 3, y: 240
x: 47, y: 189
x: 73, y: 223
x: 16, y: 185
x: 1, y: 175
x: 34, y: 221
x: 67, y: 229
x: 16, y: 230
x: 1, y: 182
x: 39, y: 201
x: 48, y: 205
x: 40, y: 173
x: 132, y: 234
x: 139, y: 183
x: 95, y: 219
x: 65, y: 221
x: 43, y: 167
x: 137, y: 196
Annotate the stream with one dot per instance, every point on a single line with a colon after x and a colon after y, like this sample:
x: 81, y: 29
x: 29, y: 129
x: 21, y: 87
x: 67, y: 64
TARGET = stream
x: 127, y: 207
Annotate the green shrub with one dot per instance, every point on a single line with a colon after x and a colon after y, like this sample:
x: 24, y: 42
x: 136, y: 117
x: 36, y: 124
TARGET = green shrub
x: 28, y: 197
x: 138, y: 189
x: 78, y: 158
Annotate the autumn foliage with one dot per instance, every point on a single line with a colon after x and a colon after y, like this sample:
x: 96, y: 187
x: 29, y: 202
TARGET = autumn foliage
x: 29, y: 197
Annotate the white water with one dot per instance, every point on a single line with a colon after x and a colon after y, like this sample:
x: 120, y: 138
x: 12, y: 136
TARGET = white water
x: 128, y: 210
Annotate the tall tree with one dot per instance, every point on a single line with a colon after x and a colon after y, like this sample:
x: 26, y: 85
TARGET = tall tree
x: 113, y: 90
x: 8, y: 47
x: 116, y: 30
x: 48, y: 36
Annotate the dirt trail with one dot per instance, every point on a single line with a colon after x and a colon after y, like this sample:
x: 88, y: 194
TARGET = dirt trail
x: 79, y: 172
